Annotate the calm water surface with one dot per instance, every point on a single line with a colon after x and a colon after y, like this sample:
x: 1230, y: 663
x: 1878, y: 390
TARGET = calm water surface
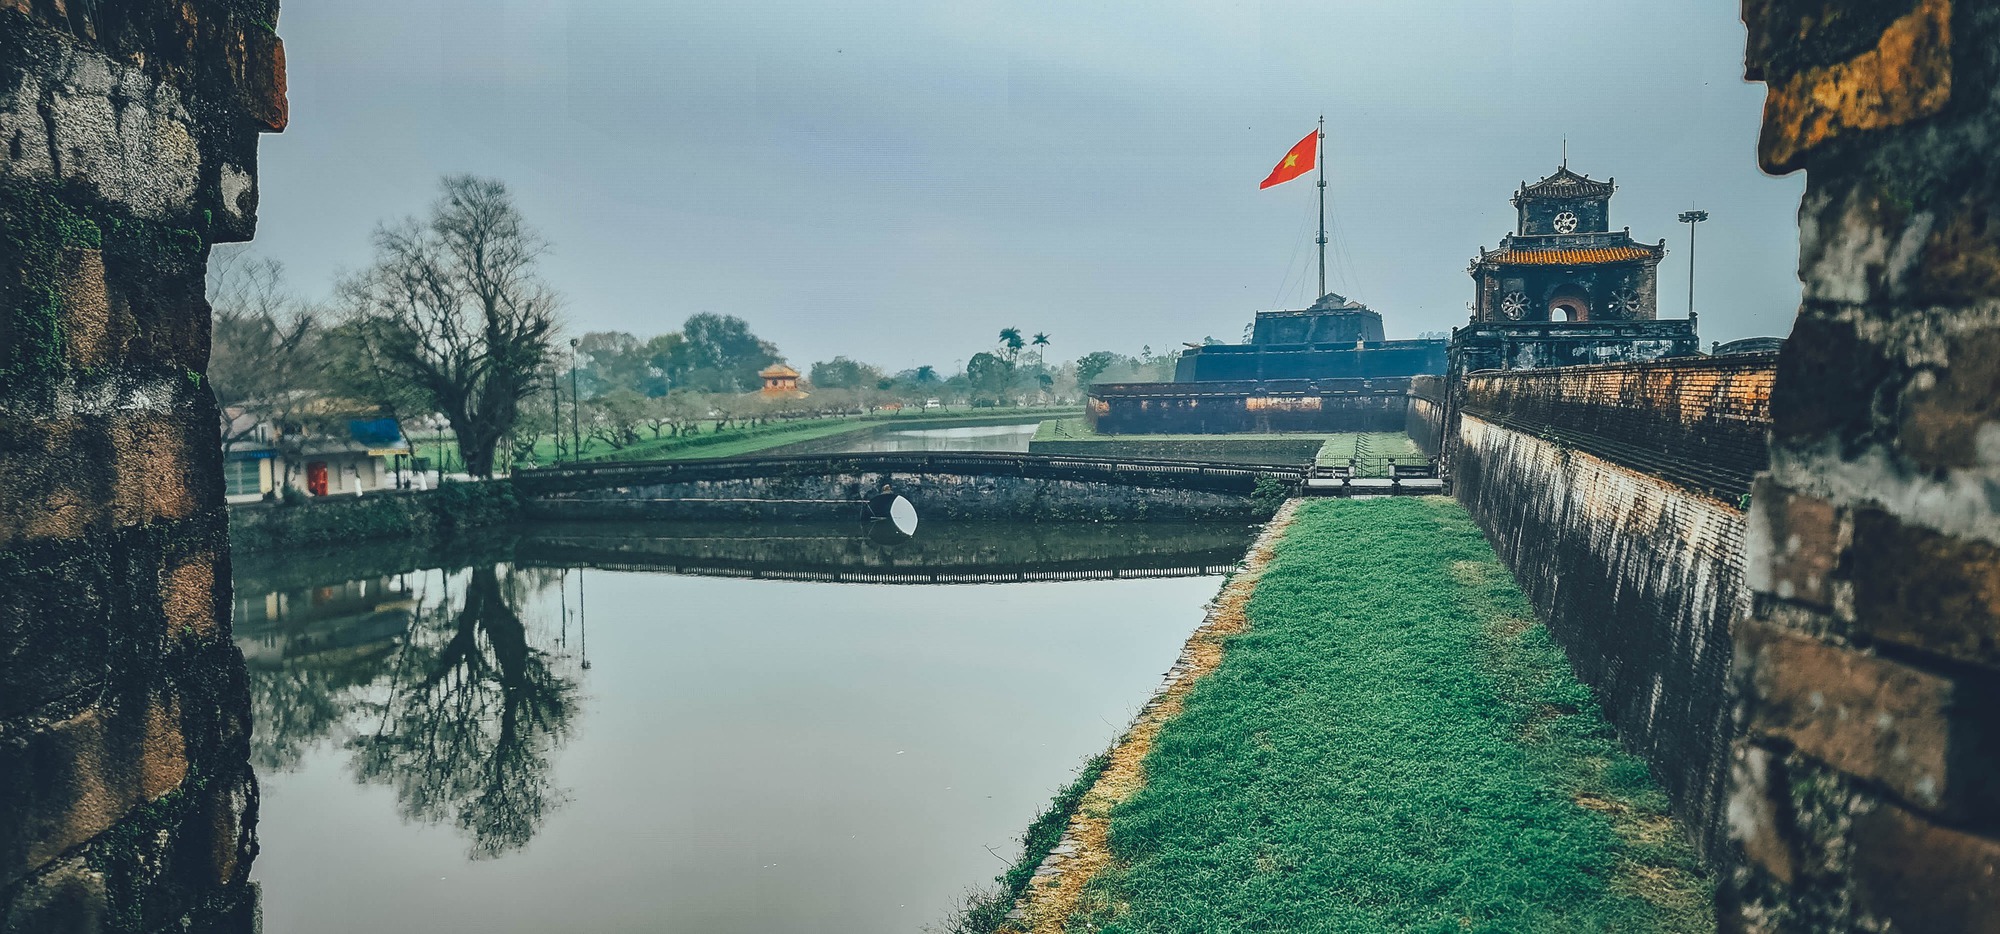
x: 518, y: 740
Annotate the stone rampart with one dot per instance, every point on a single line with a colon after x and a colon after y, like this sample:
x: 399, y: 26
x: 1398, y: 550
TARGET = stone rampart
x: 1614, y: 493
x: 1700, y: 422
x: 130, y: 129
x: 1424, y: 422
x: 1637, y: 578
x: 1864, y: 793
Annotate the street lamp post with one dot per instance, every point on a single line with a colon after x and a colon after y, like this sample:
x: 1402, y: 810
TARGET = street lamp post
x: 575, y: 402
x: 1692, y: 218
x: 555, y: 416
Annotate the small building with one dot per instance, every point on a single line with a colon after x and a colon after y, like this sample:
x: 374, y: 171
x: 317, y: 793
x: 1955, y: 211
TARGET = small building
x: 363, y: 454
x: 780, y: 381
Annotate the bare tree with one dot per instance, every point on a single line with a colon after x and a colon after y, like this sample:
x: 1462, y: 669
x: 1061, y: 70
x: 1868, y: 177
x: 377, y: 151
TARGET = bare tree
x: 453, y: 313
x: 267, y: 361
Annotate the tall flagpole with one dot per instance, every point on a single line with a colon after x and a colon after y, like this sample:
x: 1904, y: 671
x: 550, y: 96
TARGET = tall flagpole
x: 1321, y: 159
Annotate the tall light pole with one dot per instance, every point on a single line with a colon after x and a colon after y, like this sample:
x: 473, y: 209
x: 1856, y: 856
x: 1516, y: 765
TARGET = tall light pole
x: 1692, y: 218
x: 575, y: 402
x: 555, y: 415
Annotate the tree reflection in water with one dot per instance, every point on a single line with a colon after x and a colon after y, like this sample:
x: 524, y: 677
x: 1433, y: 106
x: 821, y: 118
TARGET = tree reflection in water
x: 461, y: 720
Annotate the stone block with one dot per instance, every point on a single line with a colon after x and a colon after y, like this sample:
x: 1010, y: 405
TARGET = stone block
x: 68, y: 898
x: 1921, y: 878
x: 1754, y: 812
x: 1806, y: 406
x: 1904, y: 76
x: 65, y: 784
x: 1922, y: 588
x: 1861, y: 713
x: 1793, y: 545
x: 192, y: 602
x: 1950, y: 413
x: 40, y: 663
x: 157, y: 461
x: 86, y: 312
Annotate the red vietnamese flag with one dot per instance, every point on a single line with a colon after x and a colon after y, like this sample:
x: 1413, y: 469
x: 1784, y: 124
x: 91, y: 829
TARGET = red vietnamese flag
x: 1295, y: 163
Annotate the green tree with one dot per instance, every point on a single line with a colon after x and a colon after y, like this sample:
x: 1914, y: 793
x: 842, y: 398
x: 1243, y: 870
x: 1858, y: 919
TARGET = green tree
x: 842, y: 373
x: 1011, y: 343
x: 990, y: 377
x: 1092, y: 365
x: 722, y: 355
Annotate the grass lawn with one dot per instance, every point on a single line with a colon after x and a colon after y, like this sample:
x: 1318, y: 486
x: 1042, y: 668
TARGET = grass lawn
x: 1394, y: 745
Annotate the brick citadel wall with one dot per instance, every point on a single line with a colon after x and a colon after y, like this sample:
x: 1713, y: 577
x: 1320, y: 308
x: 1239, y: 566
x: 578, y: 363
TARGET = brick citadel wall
x: 1613, y: 492
x: 1699, y: 422
x: 1424, y: 420
x: 126, y: 797
x: 1864, y: 793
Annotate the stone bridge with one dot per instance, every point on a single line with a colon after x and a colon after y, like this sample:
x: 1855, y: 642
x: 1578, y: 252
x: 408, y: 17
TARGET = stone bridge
x: 1036, y: 487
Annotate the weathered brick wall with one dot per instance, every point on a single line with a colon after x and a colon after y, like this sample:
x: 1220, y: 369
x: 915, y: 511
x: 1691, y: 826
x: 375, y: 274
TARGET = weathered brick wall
x: 1864, y: 795
x: 1697, y: 421
x: 1637, y: 577
x: 127, y: 145
x: 1613, y: 494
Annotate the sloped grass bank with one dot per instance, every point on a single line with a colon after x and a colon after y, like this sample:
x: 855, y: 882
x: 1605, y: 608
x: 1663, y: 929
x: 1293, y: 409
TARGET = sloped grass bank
x: 1393, y: 745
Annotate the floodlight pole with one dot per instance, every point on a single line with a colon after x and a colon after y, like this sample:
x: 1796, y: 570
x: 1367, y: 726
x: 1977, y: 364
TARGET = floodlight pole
x: 575, y: 403
x: 1692, y: 218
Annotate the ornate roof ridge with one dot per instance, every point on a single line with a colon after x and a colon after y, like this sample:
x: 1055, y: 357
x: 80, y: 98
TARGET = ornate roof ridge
x: 1563, y: 183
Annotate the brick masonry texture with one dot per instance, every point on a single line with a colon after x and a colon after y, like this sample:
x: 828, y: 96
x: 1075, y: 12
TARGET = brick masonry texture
x: 1863, y: 797
x: 128, y: 136
x: 1636, y: 576
x: 1700, y: 422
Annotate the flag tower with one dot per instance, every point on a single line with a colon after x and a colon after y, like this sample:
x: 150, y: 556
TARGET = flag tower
x: 1305, y: 156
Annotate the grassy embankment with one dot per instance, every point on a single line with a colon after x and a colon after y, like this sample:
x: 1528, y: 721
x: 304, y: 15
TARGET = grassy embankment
x: 1393, y: 745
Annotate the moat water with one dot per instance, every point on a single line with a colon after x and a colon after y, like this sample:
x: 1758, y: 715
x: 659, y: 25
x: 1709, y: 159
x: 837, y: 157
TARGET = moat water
x: 690, y: 728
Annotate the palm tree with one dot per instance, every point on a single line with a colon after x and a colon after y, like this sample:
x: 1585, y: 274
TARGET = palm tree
x: 1041, y: 343
x: 927, y: 374
x: 1010, y: 338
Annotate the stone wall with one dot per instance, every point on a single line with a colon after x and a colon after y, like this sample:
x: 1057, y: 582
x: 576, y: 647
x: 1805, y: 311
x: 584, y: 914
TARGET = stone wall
x: 1637, y: 578
x: 333, y: 521
x: 127, y: 145
x: 1325, y: 405
x: 1424, y: 421
x: 1613, y: 493
x: 1864, y: 793
x: 840, y: 496
x: 1699, y: 422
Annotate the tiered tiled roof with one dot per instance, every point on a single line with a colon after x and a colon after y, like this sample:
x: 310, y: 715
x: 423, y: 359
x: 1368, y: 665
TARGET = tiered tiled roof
x: 1577, y: 257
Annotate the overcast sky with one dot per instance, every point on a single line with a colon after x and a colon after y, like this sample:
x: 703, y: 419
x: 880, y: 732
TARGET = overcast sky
x: 896, y: 181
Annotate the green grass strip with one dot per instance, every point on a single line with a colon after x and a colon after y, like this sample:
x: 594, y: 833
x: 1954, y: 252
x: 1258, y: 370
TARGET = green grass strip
x: 1394, y: 745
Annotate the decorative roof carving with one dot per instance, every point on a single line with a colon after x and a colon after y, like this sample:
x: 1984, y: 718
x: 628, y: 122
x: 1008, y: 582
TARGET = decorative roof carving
x: 1565, y: 185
